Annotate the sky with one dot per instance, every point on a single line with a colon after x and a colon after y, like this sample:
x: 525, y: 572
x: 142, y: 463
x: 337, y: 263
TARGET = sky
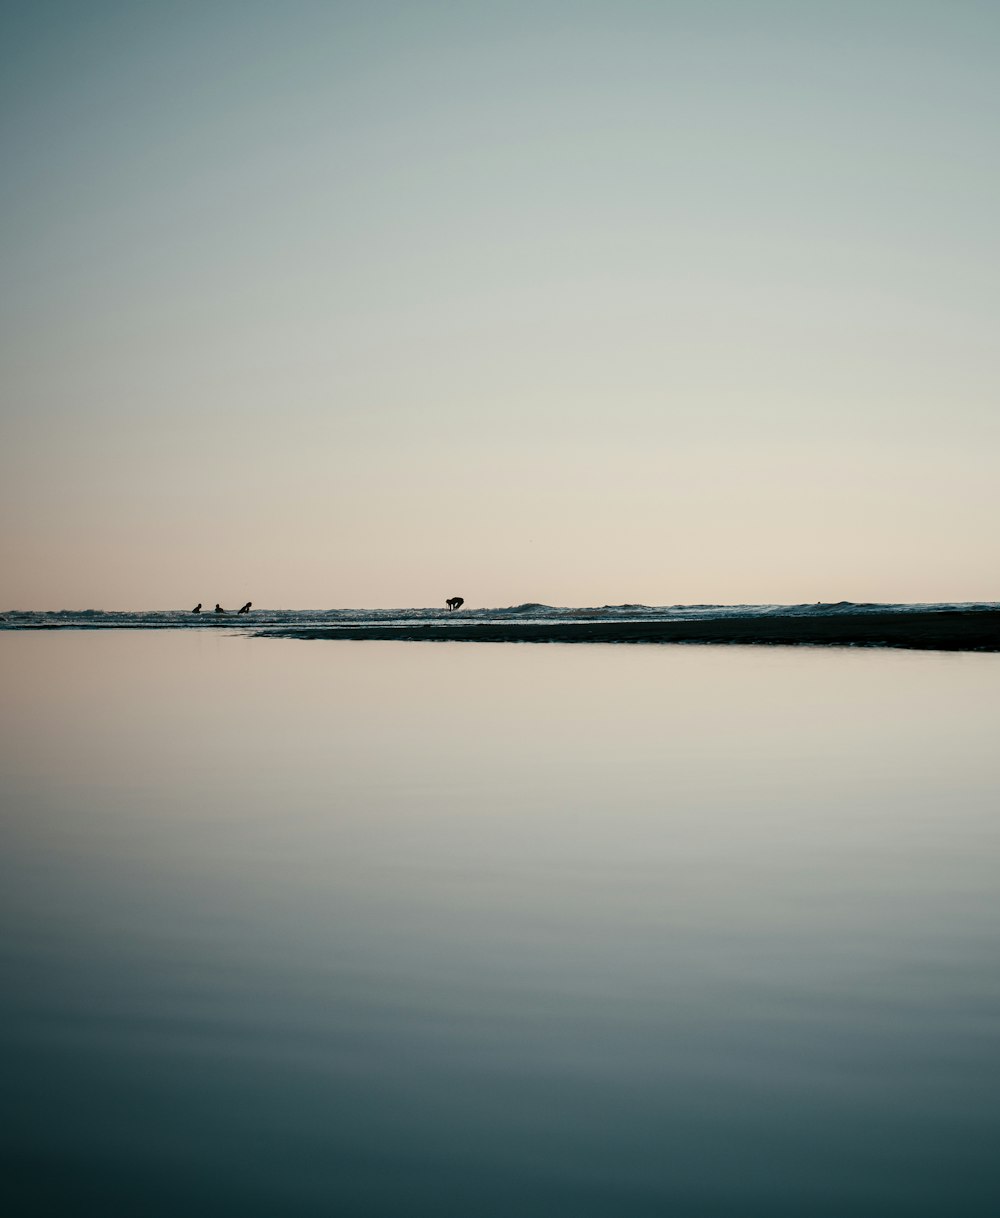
x: 372, y: 304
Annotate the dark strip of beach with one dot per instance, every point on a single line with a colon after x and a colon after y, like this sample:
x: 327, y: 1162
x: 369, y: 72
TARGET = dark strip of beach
x: 924, y: 630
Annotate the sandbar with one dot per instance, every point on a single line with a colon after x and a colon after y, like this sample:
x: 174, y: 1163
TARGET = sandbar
x: 923, y: 630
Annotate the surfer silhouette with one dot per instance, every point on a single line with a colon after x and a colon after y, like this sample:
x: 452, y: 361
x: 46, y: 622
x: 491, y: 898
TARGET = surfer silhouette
x: 246, y: 607
x: 219, y: 608
x: 455, y: 602
x: 197, y: 608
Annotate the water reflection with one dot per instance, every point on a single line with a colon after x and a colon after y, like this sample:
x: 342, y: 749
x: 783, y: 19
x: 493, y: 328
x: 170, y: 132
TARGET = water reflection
x: 389, y: 928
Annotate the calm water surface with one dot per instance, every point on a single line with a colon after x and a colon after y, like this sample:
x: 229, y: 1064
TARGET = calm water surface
x: 401, y: 929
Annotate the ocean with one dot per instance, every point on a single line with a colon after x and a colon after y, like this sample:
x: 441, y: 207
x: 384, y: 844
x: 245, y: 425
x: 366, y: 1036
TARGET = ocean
x: 282, y: 619
x: 374, y: 929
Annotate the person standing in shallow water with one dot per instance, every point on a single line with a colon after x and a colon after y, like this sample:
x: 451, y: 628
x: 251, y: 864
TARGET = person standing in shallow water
x: 455, y: 602
x: 197, y: 608
x: 219, y: 608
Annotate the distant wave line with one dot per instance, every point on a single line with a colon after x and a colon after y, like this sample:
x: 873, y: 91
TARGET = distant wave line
x: 945, y: 626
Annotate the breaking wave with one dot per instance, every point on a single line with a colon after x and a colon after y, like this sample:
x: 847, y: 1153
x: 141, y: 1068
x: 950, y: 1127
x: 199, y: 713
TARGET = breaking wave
x: 530, y: 611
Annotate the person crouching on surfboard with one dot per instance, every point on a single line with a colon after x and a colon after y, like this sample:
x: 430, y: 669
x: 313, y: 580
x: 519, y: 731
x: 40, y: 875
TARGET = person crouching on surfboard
x: 246, y: 607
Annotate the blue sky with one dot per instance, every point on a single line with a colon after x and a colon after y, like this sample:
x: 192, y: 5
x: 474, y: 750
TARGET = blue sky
x: 358, y: 304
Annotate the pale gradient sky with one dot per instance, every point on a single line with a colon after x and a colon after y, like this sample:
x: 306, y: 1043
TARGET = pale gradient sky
x: 358, y: 304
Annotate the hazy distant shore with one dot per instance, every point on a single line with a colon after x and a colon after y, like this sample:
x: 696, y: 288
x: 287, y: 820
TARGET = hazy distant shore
x: 939, y: 630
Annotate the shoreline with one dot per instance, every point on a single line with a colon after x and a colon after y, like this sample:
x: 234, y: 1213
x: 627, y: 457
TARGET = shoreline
x: 934, y: 630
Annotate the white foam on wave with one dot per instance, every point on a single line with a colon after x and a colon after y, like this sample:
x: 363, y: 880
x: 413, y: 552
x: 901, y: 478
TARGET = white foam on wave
x: 530, y: 611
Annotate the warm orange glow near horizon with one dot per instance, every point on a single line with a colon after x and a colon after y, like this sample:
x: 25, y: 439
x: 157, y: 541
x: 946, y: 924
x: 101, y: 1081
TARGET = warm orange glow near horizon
x: 341, y: 307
